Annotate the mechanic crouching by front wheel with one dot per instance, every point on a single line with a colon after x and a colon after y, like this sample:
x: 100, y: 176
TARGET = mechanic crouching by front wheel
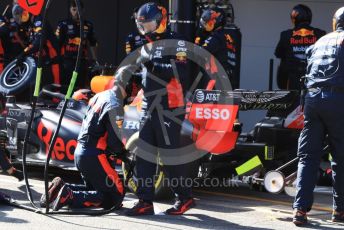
x: 99, y: 139
x: 324, y: 115
x: 165, y: 58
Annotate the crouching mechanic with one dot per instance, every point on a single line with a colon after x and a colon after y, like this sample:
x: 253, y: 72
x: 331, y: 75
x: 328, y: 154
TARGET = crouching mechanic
x: 98, y: 140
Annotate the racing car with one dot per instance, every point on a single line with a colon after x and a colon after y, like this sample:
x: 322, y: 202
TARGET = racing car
x: 210, y: 124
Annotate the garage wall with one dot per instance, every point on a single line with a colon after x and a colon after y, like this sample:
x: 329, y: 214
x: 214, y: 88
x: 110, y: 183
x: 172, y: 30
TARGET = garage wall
x: 261, y: 22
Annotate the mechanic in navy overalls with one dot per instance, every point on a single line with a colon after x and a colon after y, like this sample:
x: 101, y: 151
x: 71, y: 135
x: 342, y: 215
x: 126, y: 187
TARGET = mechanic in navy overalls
x: 25, y: 36
x: 292, y: 46
x: 162, y: 95
x: 98, y: 140
x: 218, y: 41
x: 324, y: 115
x: 68, y: 36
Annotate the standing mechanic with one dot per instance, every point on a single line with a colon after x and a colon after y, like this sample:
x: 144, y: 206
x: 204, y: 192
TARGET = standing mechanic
x: 220, y: 43
x: 4, y: 33
x: 98, y: 141
x: 163, y: 93
x: 324, y: 116
x: 68, y: 35
x: 5, y: 20
x: 25, y: 35
x: 292, y: 46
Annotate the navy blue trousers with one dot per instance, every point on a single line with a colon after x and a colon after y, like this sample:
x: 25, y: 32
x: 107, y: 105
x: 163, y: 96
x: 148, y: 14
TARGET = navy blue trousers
x: 160, y: 140
x: 324, y: 115
x: 102, y: 186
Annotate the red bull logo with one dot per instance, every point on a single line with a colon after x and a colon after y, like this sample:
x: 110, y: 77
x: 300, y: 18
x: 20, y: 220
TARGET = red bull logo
x: 303, y: 41
x: 303, y: 33
x: 74, y: 41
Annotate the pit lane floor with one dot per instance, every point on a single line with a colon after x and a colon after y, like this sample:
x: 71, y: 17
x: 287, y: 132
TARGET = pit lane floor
x: 222, y: 208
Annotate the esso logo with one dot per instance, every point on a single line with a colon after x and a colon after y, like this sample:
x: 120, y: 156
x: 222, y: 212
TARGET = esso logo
x: 212, y: 113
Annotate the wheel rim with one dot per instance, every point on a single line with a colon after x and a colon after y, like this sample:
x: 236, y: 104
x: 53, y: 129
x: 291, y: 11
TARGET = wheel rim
x: 15, y: 75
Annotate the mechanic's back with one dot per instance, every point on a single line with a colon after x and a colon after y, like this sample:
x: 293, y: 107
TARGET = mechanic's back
x: 292, y: 46
x: 98, y: 125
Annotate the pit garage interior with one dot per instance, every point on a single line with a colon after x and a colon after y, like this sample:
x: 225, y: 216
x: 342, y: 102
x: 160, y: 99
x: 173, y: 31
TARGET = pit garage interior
x: 260, y: 22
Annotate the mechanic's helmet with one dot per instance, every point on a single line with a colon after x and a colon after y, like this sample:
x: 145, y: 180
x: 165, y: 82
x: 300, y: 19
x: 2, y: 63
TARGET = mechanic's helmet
x: 338, y: 19
x: 301, y: 14
x: 212, y: 19
x: 19, y: 14
x: 151, y: 19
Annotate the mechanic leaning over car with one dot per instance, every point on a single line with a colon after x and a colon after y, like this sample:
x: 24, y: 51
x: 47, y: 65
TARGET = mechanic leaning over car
x: 163, y: 94
x: 98, y: 141
x: 25, y: 35
x: 292, y: 46
x: 324, y: 116
x: 68, y: 35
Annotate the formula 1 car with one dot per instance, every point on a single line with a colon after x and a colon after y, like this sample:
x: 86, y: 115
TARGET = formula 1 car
x: 210, y: 124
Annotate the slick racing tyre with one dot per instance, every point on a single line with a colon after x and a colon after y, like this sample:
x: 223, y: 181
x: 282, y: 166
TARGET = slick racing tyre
x: 16, y: 78
x: 162, y: 191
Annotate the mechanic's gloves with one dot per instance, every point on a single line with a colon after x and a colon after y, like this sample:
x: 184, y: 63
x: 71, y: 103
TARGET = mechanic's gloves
x: 123, y: 79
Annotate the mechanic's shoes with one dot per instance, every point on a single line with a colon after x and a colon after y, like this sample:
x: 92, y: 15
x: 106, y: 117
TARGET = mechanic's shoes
x: 338, y: 217
x: 18, y: 174
x: 141, y: 208
x: 54, y: 189
x: 299, y: 218
x: 181, y: 206
x: 64, y: 198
